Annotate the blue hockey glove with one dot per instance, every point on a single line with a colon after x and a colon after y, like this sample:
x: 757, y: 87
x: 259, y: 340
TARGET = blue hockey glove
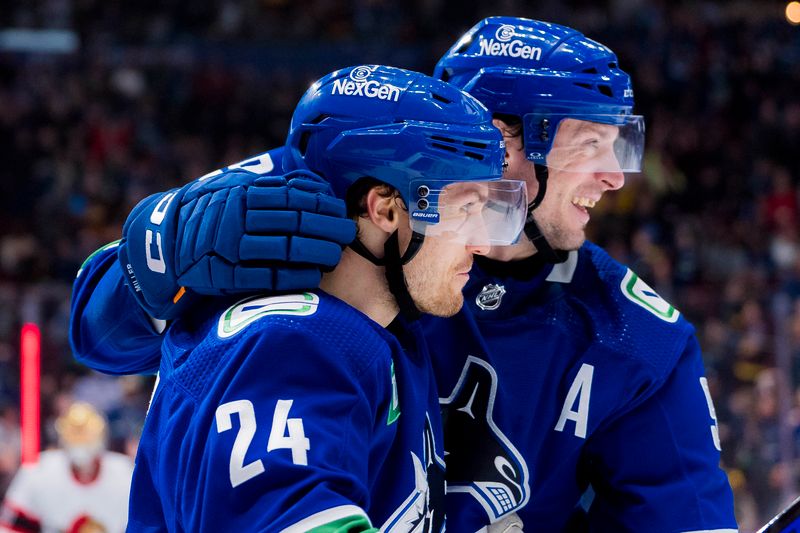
x: 233, y: 232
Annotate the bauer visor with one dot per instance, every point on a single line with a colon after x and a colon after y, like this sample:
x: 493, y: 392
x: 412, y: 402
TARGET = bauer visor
x: 477, y: 213
x: 586, y: 143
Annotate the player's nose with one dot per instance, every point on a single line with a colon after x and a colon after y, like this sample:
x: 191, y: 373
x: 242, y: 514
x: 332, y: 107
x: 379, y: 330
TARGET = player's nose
x: 478, y: 249
x: 612, y: 180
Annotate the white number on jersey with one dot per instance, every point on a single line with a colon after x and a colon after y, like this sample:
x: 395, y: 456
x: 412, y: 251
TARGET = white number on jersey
x: 240, y: 472
x: 713, y: 413
x: 296, y: 441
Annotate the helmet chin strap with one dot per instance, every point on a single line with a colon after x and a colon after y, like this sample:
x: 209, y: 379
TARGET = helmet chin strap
x: 532, y: 230
x: 393, y: 263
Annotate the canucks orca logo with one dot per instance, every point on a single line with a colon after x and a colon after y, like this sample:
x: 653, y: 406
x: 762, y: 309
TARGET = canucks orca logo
x: 480, y: 458
x: 423, y: 510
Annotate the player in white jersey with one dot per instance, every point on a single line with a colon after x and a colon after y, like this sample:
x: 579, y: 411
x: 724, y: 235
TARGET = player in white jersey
x: 78, y: 488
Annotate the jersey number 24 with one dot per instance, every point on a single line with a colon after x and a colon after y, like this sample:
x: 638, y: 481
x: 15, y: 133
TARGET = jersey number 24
x: 296, y: 441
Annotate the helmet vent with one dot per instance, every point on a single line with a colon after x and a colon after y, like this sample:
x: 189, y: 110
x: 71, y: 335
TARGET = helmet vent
x: 473, y: 144
x: 303, y: 146
x: 443, y: 139
x: 590, y: 70
x: 445, y: 147
x: 612, y: 65
x: 319, y: 119
x: 473, y: 155
x: 584, y: 85
x: 606, y: 90
x: 441, y: 98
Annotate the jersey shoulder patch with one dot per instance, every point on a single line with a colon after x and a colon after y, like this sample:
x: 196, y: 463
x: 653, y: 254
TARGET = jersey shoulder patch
x: 240, y: 315
x: 640, y: 293
x: 264, y: 329
x: 627, y: 316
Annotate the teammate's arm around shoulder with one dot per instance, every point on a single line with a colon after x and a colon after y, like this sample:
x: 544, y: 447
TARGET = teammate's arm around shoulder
x: 109, y: 332
x: 243, y: 228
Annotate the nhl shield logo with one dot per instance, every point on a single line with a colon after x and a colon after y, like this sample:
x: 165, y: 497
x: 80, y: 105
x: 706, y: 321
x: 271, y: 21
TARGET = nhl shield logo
x: 490, y: 297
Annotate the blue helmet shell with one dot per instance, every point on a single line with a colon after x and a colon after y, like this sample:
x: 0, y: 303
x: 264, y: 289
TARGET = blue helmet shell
x: 393, y: 125
x: 522, y: 67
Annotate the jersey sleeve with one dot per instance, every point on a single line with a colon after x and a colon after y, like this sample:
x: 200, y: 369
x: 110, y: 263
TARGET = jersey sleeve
x: 290, y: 435
x: 109, y: 331
x: 656, y: 468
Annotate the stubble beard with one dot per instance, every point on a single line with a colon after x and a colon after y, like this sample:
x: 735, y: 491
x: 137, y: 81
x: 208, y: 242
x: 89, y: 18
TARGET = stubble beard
x: 434, y: 292
x: 558, y: 237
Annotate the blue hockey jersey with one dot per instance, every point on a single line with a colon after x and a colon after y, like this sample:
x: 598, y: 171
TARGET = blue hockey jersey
x: 576, y: 398
x: 290, y: 413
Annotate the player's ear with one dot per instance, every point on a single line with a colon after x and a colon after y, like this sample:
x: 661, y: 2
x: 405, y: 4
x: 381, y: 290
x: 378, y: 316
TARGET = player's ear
x: 383, y: 208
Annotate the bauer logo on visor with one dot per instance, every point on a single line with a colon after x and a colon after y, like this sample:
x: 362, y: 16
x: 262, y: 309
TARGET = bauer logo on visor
x: 359, y: 84
x: 425, y: 216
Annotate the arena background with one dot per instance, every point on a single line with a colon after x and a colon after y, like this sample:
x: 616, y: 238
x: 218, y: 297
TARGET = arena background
x: 105, y: 101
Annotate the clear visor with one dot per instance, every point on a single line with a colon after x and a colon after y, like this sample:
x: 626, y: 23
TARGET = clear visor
x: 476, y: 213
x: 598, y: 143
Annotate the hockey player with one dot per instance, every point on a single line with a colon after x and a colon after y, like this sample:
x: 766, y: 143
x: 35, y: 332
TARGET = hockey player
x: 78, y: 488
x: 318, y: 410
x: 573, y: 395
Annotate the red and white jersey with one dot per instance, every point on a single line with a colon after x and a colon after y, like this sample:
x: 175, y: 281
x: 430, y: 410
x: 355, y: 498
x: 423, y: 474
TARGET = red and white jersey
x: 47, y: 496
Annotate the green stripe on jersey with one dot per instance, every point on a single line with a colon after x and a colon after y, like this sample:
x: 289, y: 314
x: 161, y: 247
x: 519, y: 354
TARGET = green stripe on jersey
x: 394, y: 408
x: 101, y: 249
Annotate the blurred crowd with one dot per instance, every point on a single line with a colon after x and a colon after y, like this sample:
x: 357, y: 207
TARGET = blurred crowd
x: 160, y: 92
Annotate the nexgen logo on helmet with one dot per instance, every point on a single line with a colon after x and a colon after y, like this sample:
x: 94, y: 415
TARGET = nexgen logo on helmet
x: 359, y: 84
x: 574, y: 78
x: 504, y: 46
x: 510, y: 49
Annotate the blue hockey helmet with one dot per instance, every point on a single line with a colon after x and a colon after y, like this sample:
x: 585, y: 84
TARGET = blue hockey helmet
x: 544, y: 73
x: 418, y: 134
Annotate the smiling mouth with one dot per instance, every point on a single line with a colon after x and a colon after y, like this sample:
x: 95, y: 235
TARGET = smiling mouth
x: 581, y: 201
